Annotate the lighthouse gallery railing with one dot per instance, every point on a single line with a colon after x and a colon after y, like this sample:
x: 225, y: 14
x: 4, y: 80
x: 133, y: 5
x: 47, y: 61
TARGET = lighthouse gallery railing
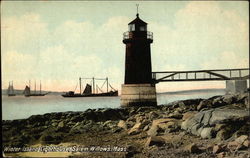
x: 129, y: 35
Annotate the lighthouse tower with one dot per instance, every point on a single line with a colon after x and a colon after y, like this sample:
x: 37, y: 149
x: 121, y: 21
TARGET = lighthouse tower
x: 138, y: 88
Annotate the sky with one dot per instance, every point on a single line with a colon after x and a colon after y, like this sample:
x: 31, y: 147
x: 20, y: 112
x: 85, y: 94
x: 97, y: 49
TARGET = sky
x: 59, y: 41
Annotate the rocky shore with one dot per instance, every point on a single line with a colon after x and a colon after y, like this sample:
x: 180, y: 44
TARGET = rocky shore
x: 214, y: 127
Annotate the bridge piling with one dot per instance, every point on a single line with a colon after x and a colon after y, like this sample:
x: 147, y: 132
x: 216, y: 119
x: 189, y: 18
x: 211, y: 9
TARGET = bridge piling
x: 236, y: 86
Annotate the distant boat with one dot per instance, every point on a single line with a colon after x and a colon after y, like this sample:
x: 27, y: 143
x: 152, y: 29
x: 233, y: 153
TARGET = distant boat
x: 27, y: 91
x: 11, y: 91
x: 89, y: 90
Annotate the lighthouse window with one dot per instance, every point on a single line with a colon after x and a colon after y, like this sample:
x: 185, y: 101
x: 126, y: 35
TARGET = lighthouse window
x: 131, y: 27
x: 143, y: 28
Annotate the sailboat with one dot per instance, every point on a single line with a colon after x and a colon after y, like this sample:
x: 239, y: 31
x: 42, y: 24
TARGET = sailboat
x: 11, y: 90
x: 27, y: 91
x: 89, y: 91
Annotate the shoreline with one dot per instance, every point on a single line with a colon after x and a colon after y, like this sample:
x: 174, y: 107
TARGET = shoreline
x: 193, y: 127
x: 29, y: 105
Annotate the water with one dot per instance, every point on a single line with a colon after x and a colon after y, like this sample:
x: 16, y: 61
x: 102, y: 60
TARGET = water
x: 20, y: 107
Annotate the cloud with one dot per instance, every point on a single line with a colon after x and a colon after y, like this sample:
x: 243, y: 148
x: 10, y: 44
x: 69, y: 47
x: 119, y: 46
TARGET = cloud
x: 71, y: 50
x: 18, y: 32
x: 202, y: 31
x: 232, y: 60
x: 203, y: 36
x: 16, y: 67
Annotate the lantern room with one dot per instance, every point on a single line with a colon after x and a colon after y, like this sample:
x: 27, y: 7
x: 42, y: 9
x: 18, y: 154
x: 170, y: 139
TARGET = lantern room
x: 137, y: 24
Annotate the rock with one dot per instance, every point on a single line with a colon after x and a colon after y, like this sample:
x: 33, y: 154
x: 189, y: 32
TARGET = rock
x: 135, y: 129
x: 246, y: 143
x: 122, y: 124
x: 188, y: 115
x: 162, y: 121
x: 196, y: 129
x: 233, y: 146
x: 139, y: 118
x: 171, y: 126
x: 228, y: 115
x: 50, y: 136
x: 54, y: 124
x: 130, y: 124
x: 192, y: 102
x: 204, y: 104
x: 246, y: 102
x: 243, y: 130
x: 155, y: 140
x: 223, y: 134
x: 241, y: 139
x: 212, y: 117
x: 193, y: 124
x: 107, y: 123
x: 131, y: 151
x: 217, y: 148
x: 152, y: 115
x: 219, y: 127
x: 110, y: 125
x: 160, y: 125
x: 61, y: 124
x: 145, y: 122
x: 192, y: 148
x: 181, y: 104
x: 153, y: 131
x: 207, y: 132
x: 78, y: 128
x: 241, y: 97
x: 217, y: 102
x: 167, y: 125
x: 146, y: 128
x: 175, y: 115
x: 221, y: 155
x: 76, y: 118
x: 228, y: 99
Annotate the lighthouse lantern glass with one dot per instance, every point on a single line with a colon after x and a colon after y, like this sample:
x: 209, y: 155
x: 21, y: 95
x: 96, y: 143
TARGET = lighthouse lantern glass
x: 143, y: 28
x: 131, y: 27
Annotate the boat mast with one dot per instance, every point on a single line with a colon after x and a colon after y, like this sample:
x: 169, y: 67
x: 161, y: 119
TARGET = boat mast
x: 40, y: 87
x: 12, y: 88
x: 9, y: 88
x: 80, y: 85
x: 107, y: 84
x: 29, y: 83
x: 35, y: 86
x: 93, y: 85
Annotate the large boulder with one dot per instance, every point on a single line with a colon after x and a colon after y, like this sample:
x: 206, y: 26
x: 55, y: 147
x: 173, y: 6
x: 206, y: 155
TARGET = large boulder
x: 192, y: 148
x: 210, y: 118
x: 228, y: 115
x: 241, y: 139
x: 153, y: 131
x: 204, y: 104
x: 207, y: 132
x: 160, y: 125
x: 135, y: 129
x: 155, y: 140
x: 188, y: 114
x: 122, y: 124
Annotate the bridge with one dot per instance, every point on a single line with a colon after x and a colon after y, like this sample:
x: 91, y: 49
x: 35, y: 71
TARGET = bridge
x: 201, y: 75
x: 236, y: 79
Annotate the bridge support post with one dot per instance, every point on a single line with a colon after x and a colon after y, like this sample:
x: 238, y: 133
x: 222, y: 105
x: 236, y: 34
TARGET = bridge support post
x: 236, y: 86
x: 138, y: 95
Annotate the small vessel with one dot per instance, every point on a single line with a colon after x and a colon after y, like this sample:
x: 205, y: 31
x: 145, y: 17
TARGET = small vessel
x: 89, y: 91
x: 27, y: 91
x: 10, y: 90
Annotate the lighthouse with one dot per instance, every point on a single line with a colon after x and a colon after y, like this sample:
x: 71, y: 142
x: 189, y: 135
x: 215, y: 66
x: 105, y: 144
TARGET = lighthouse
x: 138, y: 88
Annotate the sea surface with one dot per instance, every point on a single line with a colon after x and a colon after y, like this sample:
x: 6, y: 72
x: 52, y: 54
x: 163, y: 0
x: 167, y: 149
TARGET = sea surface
x: 19, y: 107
